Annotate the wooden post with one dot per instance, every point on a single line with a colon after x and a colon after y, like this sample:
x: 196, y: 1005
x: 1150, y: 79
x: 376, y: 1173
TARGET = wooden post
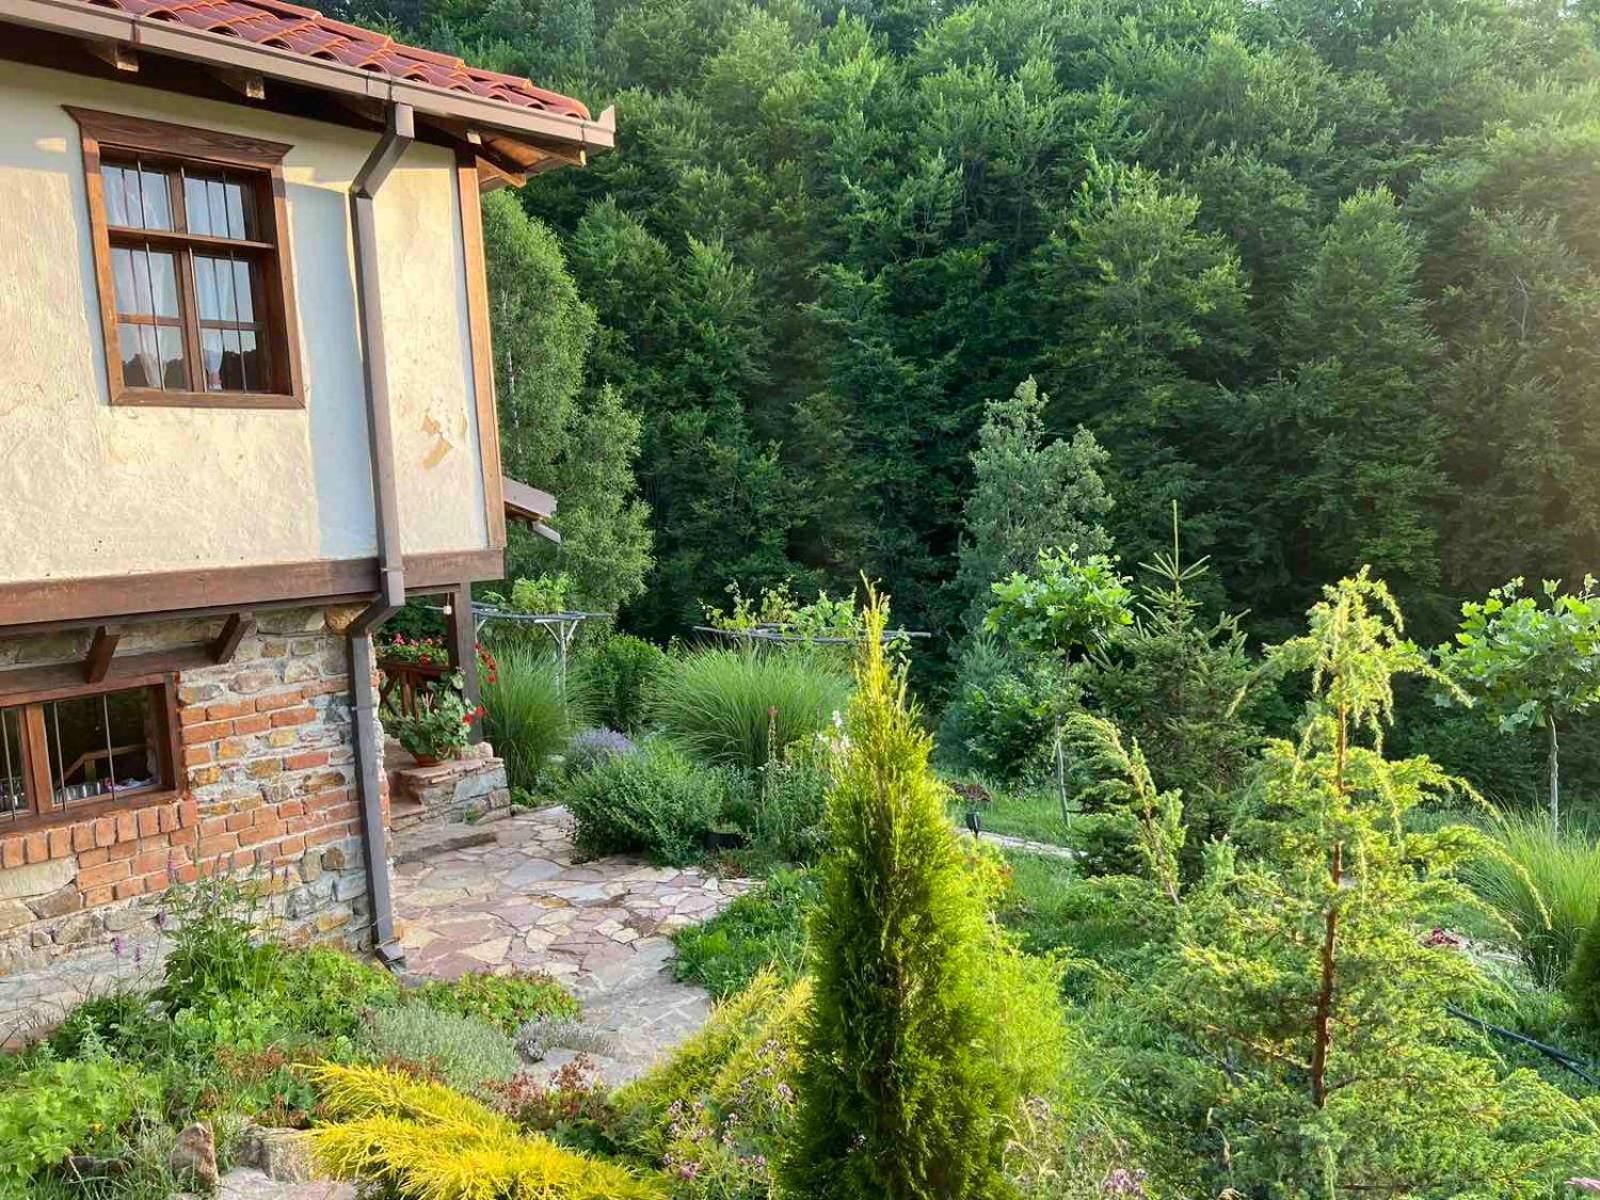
x: 463, y: 639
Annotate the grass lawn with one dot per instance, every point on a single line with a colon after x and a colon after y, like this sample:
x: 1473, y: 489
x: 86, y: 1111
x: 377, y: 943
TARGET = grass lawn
x: 1035, y: 815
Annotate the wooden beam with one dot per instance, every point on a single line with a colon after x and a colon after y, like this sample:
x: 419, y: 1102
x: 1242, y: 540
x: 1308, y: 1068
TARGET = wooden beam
x: 492, y: 176
x: 66, y: 679
x: 115, y: 54
x: 41, y: 605
x: 248, y: 84
x: 101, y: 649
x: 462, y: 637
x: 233, y: 632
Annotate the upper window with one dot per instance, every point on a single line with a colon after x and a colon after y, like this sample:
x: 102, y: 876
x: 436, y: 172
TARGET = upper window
x: 188, y: 228
x: 65, y: 754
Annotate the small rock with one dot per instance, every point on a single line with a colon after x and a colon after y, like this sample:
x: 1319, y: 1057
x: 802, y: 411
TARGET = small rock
x: 194, y: 1157
x: 281, y: 1154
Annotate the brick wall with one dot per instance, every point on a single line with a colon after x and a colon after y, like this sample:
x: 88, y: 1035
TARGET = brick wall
x: 268, y: 773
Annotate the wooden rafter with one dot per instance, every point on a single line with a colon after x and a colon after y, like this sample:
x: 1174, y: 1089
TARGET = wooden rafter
x: 101, y: 649
x: 234, y: 630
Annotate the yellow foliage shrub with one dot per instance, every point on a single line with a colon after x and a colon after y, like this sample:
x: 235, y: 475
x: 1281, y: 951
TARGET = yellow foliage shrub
x: 425, y: 1142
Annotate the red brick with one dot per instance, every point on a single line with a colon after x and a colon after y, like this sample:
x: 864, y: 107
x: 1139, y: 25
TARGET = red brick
x: 229, y: 710
x: 93, y: 858
x: 36, y: 847
x: 291, y: 808
x: 149, y: 822
x: 294, y: 716
x: 11, y: 854
x: 105, y: 832
x: 278, y: 700
x: 187, y: 836
x: 128, y: 888
x: 293, y: 846
x: 158, y: 882
x: 196, y: 756
x: 150, y: 861
x: 94, y: 897
x: 124, y: 850
x: 211, y: 826
x: 255, y: 723
x: 127, y: 826
x: 206, y: 731
x: 232, y: 748
x: 305, y: 761
x: 60, y: 843
x: 108, y: 872
x: 237, y: 821
x: 188, y: 812
x: 167, y: 817
x: 187, y: 873
x: 261, y: 833
x: 223, y: 843
x: 83, y: 836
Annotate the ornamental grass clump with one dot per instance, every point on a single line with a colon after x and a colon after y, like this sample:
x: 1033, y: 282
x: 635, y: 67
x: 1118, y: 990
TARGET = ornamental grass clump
x: 928, y: 1032
x: 402, y: 1136
x: 531, y: 716
x: 740, y: 708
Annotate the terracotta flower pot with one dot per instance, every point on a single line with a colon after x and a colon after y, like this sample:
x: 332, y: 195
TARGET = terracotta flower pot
x: 427, y: 760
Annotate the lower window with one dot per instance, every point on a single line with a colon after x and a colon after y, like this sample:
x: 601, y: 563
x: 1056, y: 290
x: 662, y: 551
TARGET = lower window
x: 65, y: 754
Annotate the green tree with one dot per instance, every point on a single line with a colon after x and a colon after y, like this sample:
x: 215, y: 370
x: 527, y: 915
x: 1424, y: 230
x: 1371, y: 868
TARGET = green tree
x: 1172, y: 681
x: 1064, y: 611
x: 927, y: 1031
x: 1322, y: 1045
x: 577, y: 442
x: 1027, y: 494
x: 1532, y: 664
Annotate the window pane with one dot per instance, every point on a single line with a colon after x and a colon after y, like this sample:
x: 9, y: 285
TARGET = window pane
x: 146, y: 281
x: 195, y: 208
x: 163, y: 283
x: 211, y: 355
x: 243, y: 290
x: 174, y: 375
x: 217, y: 199
x: 134, y: 762
x: 250, y: 358
x: 114, y: 184
x: 232, y: 362
x: 100, y: 745
x: 140, y: 357
x: 205, y: 283
x: 13, y: 792
x: 235, y: 198
x: 157, y: 202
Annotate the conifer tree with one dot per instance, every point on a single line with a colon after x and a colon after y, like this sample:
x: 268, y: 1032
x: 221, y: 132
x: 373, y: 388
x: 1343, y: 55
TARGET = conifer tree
x: 1027, y: 493
x: 927, y: 1031
x: 1324, y: 1050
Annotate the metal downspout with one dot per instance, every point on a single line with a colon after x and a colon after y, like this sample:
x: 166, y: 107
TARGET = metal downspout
x: 397, y: 135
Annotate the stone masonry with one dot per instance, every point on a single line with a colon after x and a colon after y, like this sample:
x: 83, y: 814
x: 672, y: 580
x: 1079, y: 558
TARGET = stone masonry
x: 266, y: 792
x: 470, y: 788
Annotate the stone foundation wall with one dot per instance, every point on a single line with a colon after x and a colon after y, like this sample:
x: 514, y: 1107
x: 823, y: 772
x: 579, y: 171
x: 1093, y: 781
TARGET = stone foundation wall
x: 267, y: 794
x: 470, y: 788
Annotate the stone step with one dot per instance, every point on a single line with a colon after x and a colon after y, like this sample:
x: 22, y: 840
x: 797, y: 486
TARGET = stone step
x: 424, y: 842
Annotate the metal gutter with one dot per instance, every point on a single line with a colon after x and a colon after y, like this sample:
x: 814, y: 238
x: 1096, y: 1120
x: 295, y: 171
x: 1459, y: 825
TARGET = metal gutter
x: 76, y: 19
x: 368, y: 744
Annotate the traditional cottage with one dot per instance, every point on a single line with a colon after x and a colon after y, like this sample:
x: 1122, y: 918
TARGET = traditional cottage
x: 248, y: 411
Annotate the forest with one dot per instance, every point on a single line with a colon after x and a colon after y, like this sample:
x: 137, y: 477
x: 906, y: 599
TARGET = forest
x: 1322, y: 275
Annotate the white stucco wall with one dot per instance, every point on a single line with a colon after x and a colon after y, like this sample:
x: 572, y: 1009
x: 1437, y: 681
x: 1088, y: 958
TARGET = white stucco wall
x: 88, y: 489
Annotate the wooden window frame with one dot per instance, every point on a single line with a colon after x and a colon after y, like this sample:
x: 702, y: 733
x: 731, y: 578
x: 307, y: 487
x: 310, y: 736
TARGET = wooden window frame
x: 165, y: 144
x: 42, y: 812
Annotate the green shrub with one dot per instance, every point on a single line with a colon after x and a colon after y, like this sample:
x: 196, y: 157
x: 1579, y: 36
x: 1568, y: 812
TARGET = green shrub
x: 656, y: 801
x: 927, y: 1031
x: 530, y: 716
x: 61, y: 1108
x: 504, y: 1001
x: 617, y: 674
x: 998, y: 722
x: 326, y: 992
x: 1547, y: 888
x: 466, y: 1052
x: 738, y: 708
x: 763, y: 930
x: 1583, y: 979
x: 716, y: 1112
x: 782, y: 807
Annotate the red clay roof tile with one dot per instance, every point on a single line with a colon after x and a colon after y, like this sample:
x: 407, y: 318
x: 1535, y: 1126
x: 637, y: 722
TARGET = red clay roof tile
x: 307, y: 32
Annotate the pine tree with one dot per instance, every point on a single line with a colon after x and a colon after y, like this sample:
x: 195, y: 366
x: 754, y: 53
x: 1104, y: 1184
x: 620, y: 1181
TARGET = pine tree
x: 927, y: 1031
x: 1027, y: 493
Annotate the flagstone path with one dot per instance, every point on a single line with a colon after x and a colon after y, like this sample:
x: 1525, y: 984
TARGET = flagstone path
x: 601, y: 927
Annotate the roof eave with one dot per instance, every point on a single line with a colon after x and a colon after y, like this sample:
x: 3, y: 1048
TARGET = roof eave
x: 220, y: 50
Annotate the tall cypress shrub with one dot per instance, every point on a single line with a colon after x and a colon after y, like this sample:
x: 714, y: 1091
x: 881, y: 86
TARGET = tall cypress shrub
x: 927, y: 1030
x: 1583, y: 979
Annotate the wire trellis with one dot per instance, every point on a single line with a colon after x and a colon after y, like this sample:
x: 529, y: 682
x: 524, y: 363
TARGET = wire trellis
x: 561, y: 626
x: 788, y: 635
